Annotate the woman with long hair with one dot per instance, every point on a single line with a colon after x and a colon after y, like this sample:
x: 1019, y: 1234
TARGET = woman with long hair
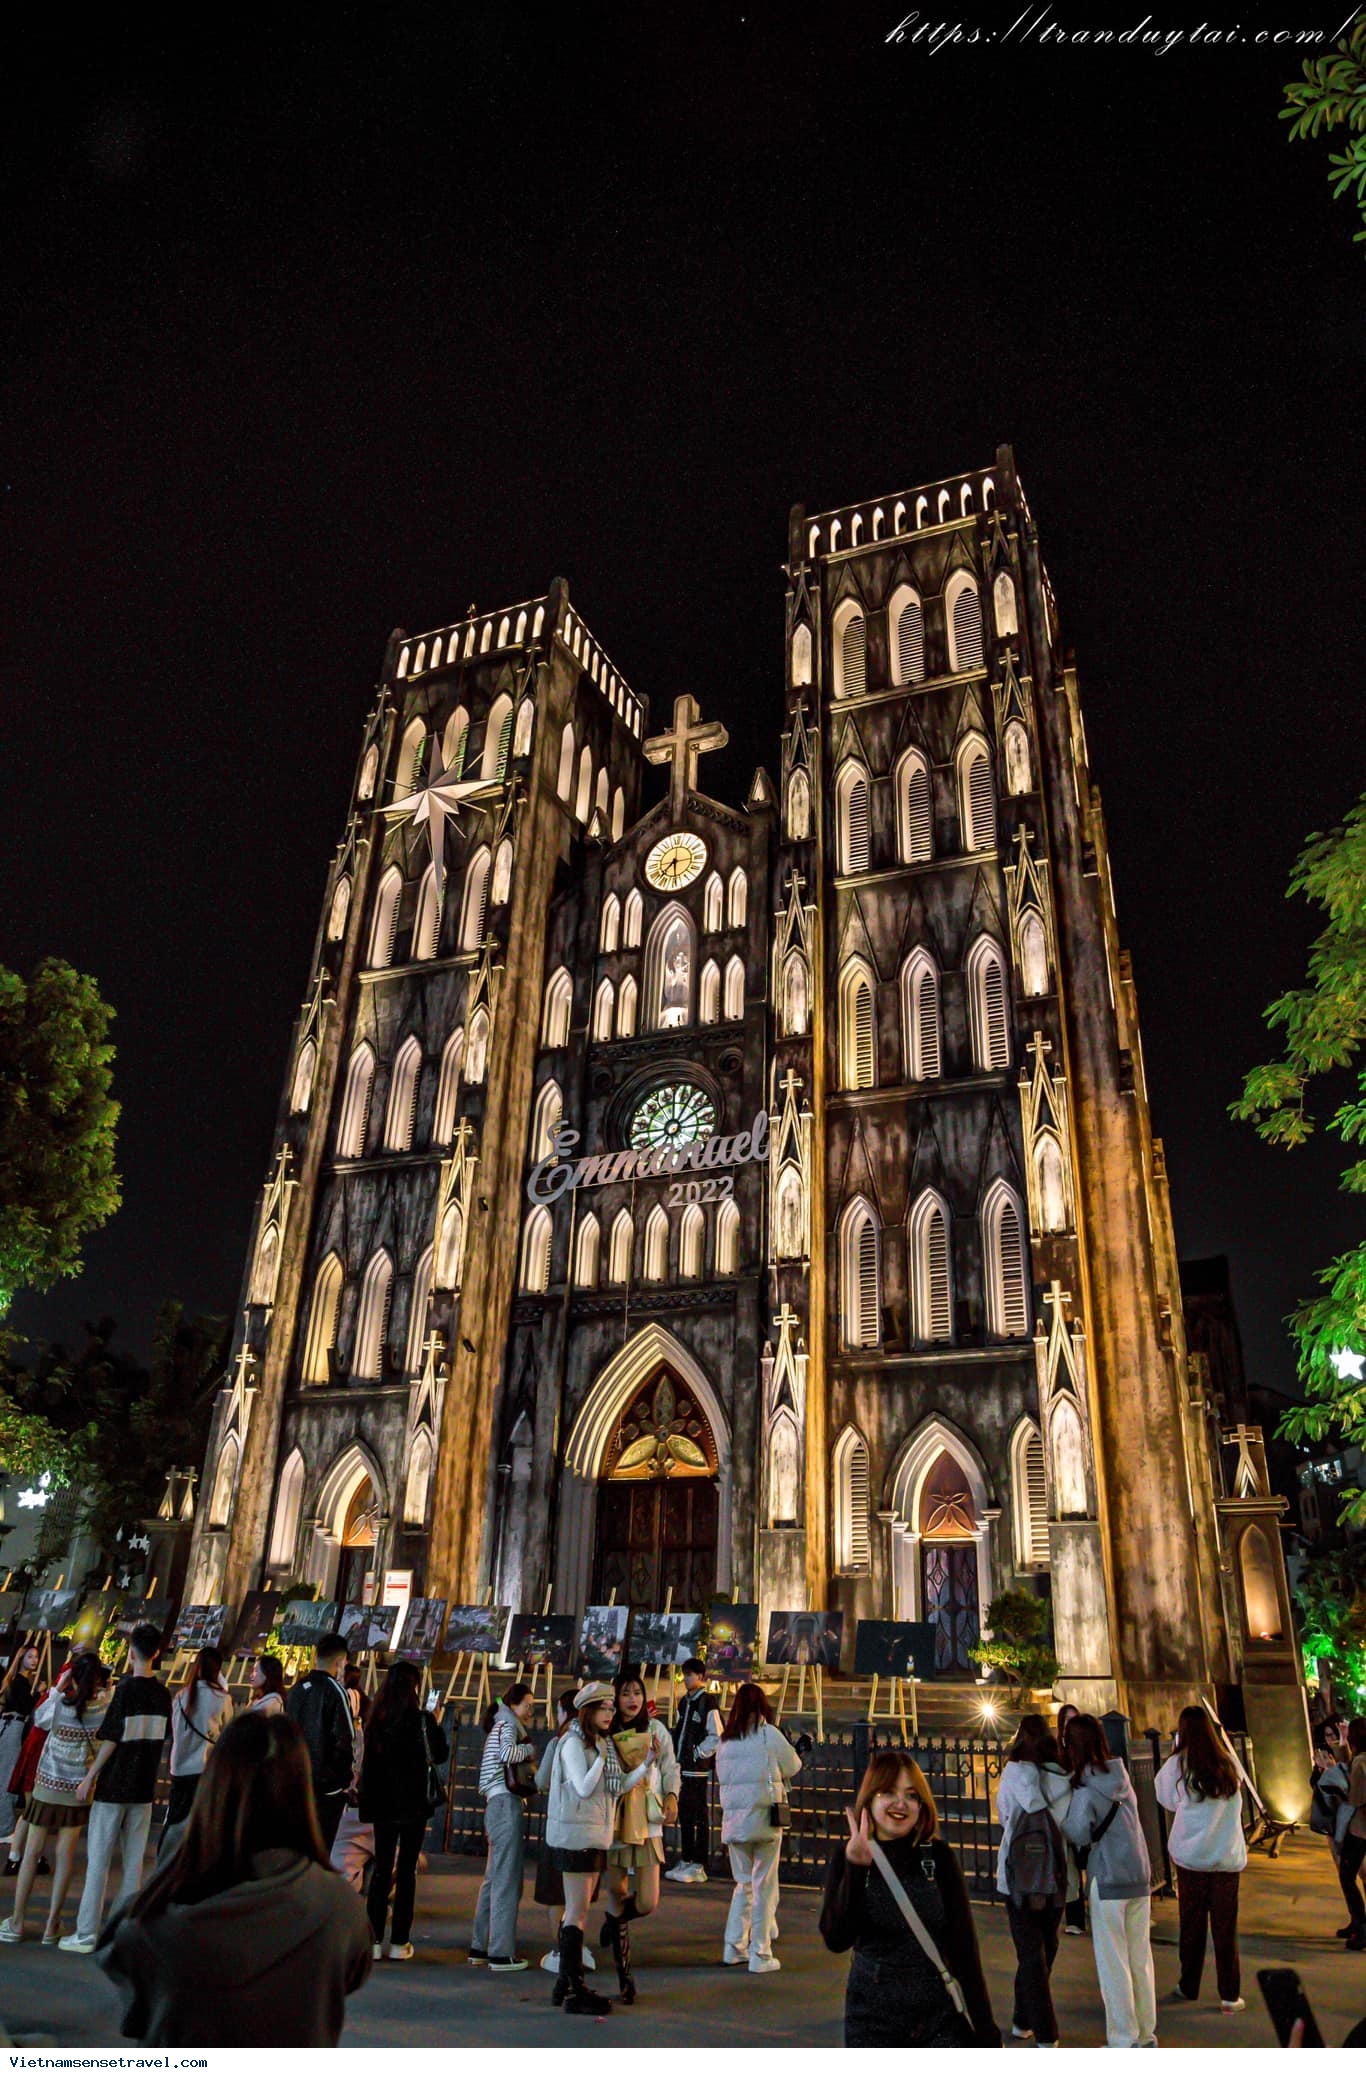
x: 1074, y: 1912
x: 754, y: 1764
x: 59, y: 1803
x: 586, y: 1780
x: 642, y: 1816
x: 244, y: 1938
x: 1032, y: 1797
x: 1103, y: 1819
x: 506, y: 1760
x: 549, y: 1890
x: 1199, y: 1785
x: 896, y: 1997
x: 403, y: 1743
x: 267, y: 1686
x: 197, y: 1716
x: 17, y: 1704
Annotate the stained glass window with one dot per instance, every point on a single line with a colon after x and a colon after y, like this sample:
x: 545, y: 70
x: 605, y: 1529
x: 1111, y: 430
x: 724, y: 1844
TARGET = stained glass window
x: 674, y: 1115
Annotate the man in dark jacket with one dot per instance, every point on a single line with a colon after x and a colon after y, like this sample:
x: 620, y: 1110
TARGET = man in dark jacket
x: 695, y: 1731
x: 320, y: 1707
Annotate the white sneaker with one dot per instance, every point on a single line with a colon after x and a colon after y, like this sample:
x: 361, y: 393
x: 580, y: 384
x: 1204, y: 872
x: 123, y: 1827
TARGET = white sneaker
x: 76, y: 1944
x: 590, y: 1961
x: 734, y: 1956
x: 10, y: 1932
x: 401, y: 1951
x: 551, y: 1961
x: 377, y: 1951
x: 699, y: 1874
x: 681, y: 1872
x: 763, y: 1965
x: 1225, y: 2005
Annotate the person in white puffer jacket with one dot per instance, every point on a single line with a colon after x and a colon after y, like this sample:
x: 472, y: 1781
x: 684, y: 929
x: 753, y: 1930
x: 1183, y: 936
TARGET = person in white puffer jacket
x: 754, y: 1764
x: 586, y: 1781
x: 1201, y: 1787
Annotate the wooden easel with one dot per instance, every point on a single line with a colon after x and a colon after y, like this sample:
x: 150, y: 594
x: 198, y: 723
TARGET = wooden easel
x: 895, y: 1713
x: 644, y: 1672
x: 464, y: 1666
x: 543, y: 1667
x: 817, y: 1674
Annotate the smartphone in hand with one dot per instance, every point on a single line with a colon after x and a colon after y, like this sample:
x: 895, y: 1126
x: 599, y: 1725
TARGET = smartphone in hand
x: 1287, y: 2002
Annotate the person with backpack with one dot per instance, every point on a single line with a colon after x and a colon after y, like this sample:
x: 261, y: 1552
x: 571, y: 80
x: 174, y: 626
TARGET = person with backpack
x: 1200, y: 1786
x: 696, y: 1735
x: 1103, y: 1818
x: 1032, y: 1800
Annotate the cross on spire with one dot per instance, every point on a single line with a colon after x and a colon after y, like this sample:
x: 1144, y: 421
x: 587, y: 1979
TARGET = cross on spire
x: 682, y: 746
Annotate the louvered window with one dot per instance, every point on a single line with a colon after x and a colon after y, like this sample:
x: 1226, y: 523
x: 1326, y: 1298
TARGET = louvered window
x: 979, y: 802
x: 709, y: 995
x: 712, y: 902
x: 536, y: 1252
x: 611, y: 924
x: 862, y: 1297
x: 1030, y: 1497
x: 860, y: 1058
x: 1011, y: 1305
x: 386, y: 919
x: 356, y: 1104
x: 867, y: 1286
x: 559, y: 998
x: 917, y: 826
x: 854, y: 816
x: 619, y: 1256
x: 910, y: 644
x: 604, y: 1004
x: 402, y: 1111
x: 626, y: 1008
x: 587, y: 1247
x: 854, y: 656
x: 853, y: 1504
x: 735, y: 989
x: 967, y: 630
x: 476, y: 902
x: 996, y: 1042
x: 923, y: 1021
x: 933, y: 1300
x: 373, y: 1320
x: 427, y: 929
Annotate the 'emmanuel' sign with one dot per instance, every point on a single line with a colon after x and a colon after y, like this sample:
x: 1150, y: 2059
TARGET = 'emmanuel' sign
x: 550, y: 1179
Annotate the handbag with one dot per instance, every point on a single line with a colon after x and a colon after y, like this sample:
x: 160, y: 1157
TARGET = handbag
x: 919, y: 1929
x: 520, y: 1776
x: 436, y: 1789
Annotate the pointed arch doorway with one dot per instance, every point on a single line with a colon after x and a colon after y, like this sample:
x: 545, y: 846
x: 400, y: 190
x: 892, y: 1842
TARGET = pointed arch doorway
x: 657, y: 1513
x: 941, y: 1526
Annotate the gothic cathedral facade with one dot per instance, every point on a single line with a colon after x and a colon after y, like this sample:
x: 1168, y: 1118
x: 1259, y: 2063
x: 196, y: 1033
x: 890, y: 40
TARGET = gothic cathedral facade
x: 681, y: 1197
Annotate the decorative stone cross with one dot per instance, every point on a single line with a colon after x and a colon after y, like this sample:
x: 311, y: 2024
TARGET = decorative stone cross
x: 1247, y: 1478
x: 682, y: 746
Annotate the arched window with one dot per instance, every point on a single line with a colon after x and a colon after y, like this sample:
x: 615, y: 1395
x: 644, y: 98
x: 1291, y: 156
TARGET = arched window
x: 610, y: 934
x: 784, y: 1473
x: 448, y: 1088
x: 691, y: 1235
x: 737, y: 899
x: 262, y: 1287
x: 1015, y: 744
x: 914, y: 814
x: 402, y: 1111
x: 796, y: 996
x: 385, y: 925
x: 976, y: 795
x: 369, y: 774
x: 853, y: 1552
x: 477, y: 1048
x: 450, y: 1249
x: 427, y: 922
x: 1070, y: 1495
x: 355, y: 1109
x: 1051, y: 1181
x: 1029, y: 1493
x: 587, y: 1250
x: 618, y: 814
x: 549, y: 1111
x: 735, y: 988
x: 634, y: 919
x: 372, y: 1320
x: 626, y: 1008
x: 987, y: 1005
x: 322, y: 1322
x: 799, y: 806
x: 600, y: 796
x: 501, y: 887
x: 860, y: 1276
x: 619, y: 1254
x: 284, y: 1528
x: 476, y: 901
x: 728, y: 1238
x: 559, y: 999
x: 1003, y: 605
x: 564, y: 784
x: 455, y: 740
x: 656, y: 1267
x: 858, y: 1032
x: 1033, y: 955
x: 583, y: 800
x: 301, y: 1089
x: 1261, y: 1601
x: 852, y: 818
x: 536, y: 1251
x: 419, y: 1292
x: 931, y: 1296
x: 341, y: 903
x: 963, y: 612
x: 789, y: 1241
x: 709, y: 995
x: 604, y: 1005
x: 526, y: 722
x: 417, y: 1484
x: 1003, y: 1255
x: 412, y: 758
x: 920, y: 1017
x: 713, y: 902
x: 225, y: 1479
x: 669, y: 969
x: 850, y: 651
x: 801, y: 654
x: 906, y: 636
x: 497, y: 740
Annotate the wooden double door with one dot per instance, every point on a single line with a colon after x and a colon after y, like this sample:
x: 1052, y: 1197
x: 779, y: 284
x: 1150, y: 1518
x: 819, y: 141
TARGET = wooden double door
x: 653, y: 1535
x: 950, y: 1603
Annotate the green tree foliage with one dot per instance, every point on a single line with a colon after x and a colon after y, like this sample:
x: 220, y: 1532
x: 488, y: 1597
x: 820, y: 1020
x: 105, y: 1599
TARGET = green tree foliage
x: 57, y: 1120
x: 1331, y: 1598
x: 1332, y: 94
x: 1017, y: 1645
x: 1323, y: 1027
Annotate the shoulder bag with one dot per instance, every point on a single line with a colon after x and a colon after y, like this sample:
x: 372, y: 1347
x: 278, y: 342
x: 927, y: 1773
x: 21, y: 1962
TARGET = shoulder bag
x: 435, y: 1795
x: 919, y: 1929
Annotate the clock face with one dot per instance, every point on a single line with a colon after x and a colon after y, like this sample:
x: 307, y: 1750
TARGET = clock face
x: 674, y: 1115
x: 675, y: 861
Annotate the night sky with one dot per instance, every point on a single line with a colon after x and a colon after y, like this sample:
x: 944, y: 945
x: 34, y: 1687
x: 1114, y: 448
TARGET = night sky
x: 311, y: 331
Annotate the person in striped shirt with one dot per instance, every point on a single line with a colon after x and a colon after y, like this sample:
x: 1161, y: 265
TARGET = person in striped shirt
x: 123, y: 1776
x: 495, y: 1916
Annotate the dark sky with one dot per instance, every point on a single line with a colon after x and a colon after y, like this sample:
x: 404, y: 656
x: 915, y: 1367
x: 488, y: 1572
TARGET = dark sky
x: 314, y: 330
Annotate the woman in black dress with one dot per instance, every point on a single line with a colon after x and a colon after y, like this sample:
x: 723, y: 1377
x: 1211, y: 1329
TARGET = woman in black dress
x: 896, y: 1997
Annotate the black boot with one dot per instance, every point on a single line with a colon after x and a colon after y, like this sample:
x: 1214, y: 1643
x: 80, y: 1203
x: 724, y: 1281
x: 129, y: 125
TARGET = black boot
x: 578, y: 1998
x: 622, y: 1951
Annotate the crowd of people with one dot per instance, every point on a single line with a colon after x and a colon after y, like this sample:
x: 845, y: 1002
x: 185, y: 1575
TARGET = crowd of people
x: 293, y: 1839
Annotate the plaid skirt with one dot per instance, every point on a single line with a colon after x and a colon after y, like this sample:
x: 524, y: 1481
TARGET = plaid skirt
x: 54, y: 1818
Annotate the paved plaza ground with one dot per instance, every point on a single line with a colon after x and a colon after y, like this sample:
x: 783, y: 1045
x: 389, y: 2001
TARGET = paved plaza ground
x: 1289, y: 1910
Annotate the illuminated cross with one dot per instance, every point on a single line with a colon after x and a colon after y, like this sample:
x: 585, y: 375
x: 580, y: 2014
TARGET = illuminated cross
x: 682, y: 746
x: 1247, y: 1479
